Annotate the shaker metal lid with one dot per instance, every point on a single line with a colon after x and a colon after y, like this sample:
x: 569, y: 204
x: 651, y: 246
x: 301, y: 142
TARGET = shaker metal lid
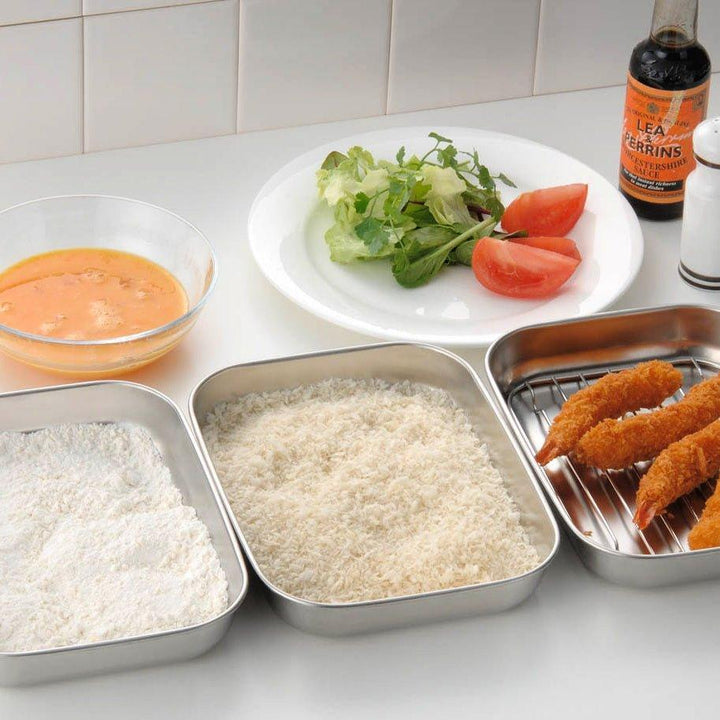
x: 706, y: 141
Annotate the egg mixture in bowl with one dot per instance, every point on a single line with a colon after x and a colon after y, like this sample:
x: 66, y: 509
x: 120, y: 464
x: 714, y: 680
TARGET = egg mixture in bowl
x: 94, y: 285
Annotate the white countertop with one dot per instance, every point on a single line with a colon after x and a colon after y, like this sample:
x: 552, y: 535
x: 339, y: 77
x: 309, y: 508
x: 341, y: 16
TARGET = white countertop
x: 580, y: 647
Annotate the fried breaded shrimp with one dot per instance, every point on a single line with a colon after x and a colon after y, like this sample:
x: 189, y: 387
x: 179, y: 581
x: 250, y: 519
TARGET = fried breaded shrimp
x: 679, y: 468
x: 620, y: 443
x: 644, y: 386
x: 706, y: 533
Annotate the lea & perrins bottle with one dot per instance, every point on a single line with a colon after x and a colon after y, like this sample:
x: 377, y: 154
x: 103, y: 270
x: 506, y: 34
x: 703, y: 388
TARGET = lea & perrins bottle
x: 666, y: 98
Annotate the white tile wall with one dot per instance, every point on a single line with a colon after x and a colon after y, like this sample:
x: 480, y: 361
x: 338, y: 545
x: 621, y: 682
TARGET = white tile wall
x: 312, y: 61
x: 160, y: 75
x: 23, y: 11
x: 40, y: 90
x: 709, y: 29
x: 455, y: 52
x: 588, y: 44
x: 597, y: 36
x: 84, y: 75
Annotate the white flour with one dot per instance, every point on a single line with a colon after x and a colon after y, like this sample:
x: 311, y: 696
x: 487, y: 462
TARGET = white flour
x: 95, y: 543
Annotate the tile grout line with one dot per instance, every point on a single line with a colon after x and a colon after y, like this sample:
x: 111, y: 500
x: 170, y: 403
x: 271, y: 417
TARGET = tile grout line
x: 620, y: 83
x: 389, y: 53
x: 237, y: 67
x: 39, y: 22
x: 533, y: 88
x: 83, y: 149
x: 166, y: 6
x: 107, y: 12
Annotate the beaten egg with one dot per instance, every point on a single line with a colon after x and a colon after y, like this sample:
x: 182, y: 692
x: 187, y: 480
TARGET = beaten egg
x: 89, y: 294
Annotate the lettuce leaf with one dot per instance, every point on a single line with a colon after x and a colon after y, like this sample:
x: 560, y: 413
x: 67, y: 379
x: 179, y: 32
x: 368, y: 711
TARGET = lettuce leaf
x: 345, y: 244
x: 445, y: 196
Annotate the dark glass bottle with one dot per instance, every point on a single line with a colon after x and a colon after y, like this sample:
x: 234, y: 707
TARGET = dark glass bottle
x: 668, y: 82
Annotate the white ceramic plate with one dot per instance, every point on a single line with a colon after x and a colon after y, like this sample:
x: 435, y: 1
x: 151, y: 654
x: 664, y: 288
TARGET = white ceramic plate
x: 287, y: 223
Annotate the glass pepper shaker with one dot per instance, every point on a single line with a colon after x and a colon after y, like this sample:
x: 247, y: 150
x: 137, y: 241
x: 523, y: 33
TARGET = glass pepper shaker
x: 700, y: 242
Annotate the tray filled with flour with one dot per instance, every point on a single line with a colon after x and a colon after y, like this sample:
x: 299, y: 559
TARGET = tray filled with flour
x: 373, y: 487
x: 115, y: 551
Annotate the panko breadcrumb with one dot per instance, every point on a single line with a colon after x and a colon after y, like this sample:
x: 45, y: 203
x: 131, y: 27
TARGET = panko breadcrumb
x: 352, y: 490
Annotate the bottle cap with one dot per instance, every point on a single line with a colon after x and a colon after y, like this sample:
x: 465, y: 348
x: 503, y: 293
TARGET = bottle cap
x: 706, y: 141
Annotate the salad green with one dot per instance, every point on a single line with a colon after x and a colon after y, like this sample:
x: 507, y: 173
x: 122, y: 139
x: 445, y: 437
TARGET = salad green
x: 420, y: 212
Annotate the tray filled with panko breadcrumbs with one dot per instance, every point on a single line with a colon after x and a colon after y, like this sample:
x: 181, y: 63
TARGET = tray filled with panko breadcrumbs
x: 373, y: 487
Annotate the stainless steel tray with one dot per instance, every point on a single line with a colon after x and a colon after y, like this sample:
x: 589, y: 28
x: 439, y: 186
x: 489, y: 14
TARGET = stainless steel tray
x: 394, y: 362
x: 535, y: 369
x: 123, y: 401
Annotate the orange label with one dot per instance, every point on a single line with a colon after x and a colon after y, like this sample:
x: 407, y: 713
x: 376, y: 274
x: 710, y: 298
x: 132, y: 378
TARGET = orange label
x: 656, y: 152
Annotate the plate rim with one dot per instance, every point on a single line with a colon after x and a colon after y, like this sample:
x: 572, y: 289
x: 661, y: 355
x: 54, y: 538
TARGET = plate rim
x: 300, y: 298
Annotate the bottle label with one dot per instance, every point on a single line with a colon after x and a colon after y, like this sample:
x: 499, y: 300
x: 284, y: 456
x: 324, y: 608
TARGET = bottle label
x: 656, y: 153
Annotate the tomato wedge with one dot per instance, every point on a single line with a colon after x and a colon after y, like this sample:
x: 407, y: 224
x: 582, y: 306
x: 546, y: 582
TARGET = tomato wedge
x: 550, y: 211
x: 562, y: 245
x: 520, y: 270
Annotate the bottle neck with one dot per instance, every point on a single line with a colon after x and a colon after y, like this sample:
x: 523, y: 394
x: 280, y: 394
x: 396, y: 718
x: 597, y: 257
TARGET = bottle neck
x: 674, y: 22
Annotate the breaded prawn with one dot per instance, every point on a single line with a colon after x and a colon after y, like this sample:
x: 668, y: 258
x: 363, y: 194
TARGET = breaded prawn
x: 620, y: 443
x: 678, y: 470
x: 706, y: 534
x: 644, y: 386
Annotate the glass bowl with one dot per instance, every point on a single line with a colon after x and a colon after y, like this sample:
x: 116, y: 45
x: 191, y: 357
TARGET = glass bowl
x: 114, y: 223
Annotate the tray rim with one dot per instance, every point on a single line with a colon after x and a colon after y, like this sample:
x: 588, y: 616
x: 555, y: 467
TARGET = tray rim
x: 296, y: 600
x: 232, y: 607
x: 538, y: 472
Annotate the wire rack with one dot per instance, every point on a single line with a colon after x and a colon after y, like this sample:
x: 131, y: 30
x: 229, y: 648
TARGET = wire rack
x: 600, y: 503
